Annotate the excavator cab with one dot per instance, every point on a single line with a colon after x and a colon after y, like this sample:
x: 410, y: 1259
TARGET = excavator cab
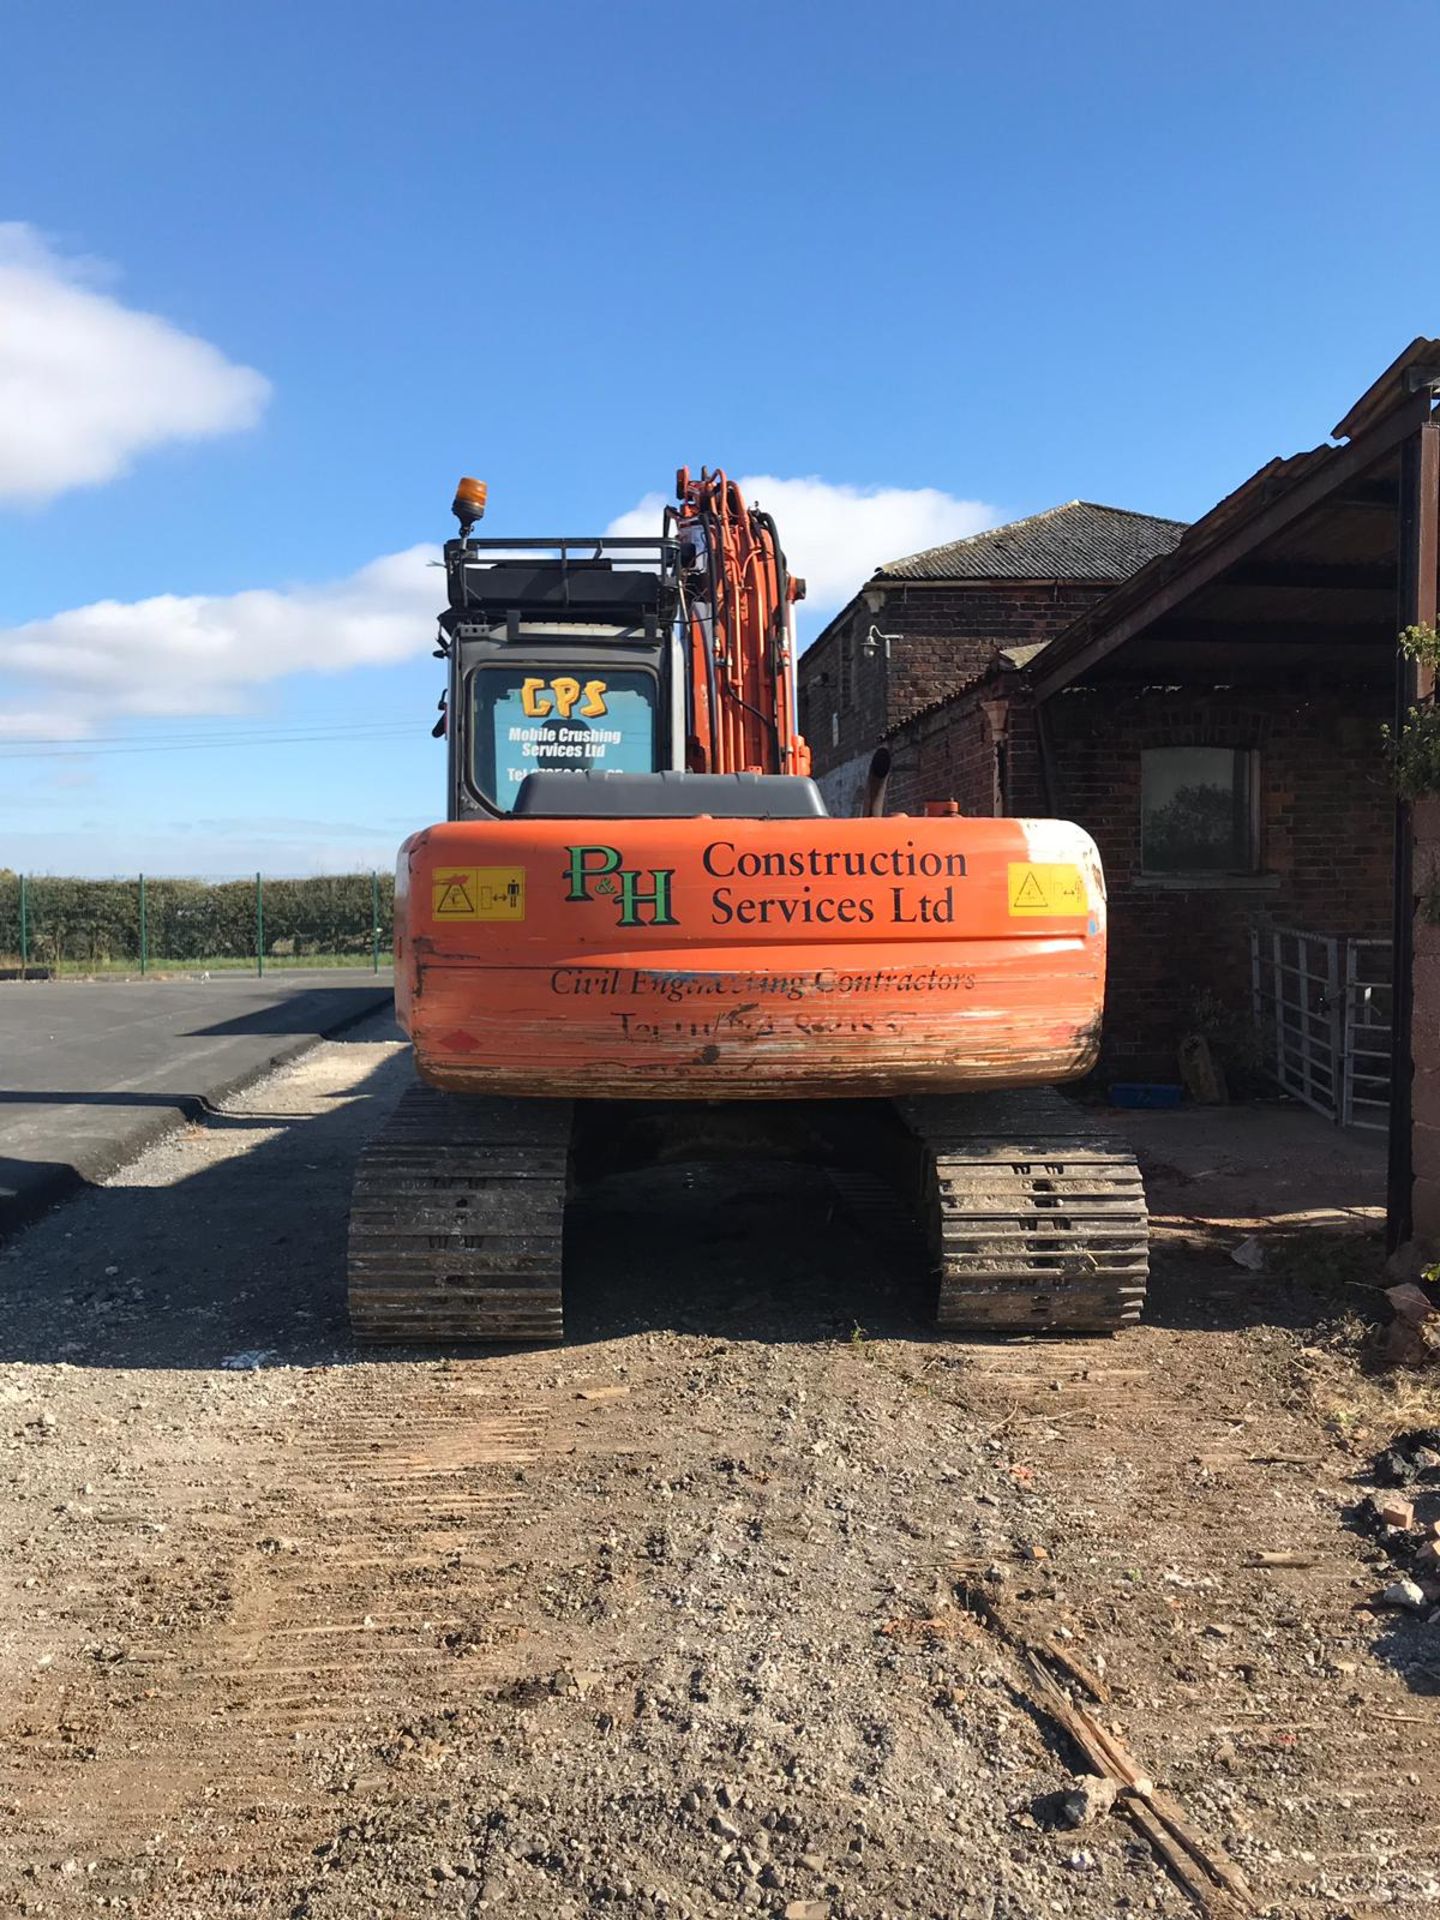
x: 564, y: 659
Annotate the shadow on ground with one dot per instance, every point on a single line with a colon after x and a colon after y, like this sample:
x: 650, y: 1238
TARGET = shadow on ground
x: 295, y: 1015
x: 1312, y: 1280
x: 1406, y: 1642
x: 740, y: 1252
x: 247, y: 1256
x: 190, y: 1105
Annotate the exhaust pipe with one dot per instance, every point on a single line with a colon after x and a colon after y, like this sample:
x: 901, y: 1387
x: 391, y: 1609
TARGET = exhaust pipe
x: 876, y: 781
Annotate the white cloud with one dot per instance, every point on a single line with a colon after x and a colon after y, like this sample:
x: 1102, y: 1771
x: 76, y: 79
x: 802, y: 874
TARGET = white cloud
x: 86, y: 383
x: 203, y: 653
x: 196, y: 654
x: 835, y: 536
x: 37, y: 723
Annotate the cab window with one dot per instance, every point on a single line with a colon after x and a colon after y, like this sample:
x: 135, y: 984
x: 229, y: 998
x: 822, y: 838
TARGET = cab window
x: 528, y: 719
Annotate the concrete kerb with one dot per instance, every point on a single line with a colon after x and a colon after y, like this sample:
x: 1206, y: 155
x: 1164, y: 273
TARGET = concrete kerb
x: 50, y: 1183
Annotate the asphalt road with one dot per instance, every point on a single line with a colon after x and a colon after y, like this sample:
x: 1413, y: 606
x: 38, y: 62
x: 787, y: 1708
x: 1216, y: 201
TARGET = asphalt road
x: 91, y: 1073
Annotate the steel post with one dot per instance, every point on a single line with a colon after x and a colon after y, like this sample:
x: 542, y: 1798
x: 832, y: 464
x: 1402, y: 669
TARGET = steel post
x: 1334, y: 1012
x: 1417, y: 585
x: 144, y: 932
x: 259, y: 925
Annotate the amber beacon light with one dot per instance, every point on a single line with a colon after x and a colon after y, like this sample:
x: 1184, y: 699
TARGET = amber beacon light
x: 468, y: 506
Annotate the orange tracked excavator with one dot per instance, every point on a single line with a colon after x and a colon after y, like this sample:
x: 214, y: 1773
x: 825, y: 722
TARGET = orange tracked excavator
x: 640, y: 935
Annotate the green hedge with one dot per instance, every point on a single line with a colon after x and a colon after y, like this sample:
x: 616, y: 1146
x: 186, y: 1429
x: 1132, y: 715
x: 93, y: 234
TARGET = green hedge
x: 96, y: 923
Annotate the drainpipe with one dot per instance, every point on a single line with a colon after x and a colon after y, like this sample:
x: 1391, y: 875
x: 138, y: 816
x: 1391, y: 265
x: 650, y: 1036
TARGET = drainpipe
x: 996, y: 710
x: 876, y: 781
x: 1047, y: 758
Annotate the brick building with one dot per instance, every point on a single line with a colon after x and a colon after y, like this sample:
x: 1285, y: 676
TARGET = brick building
x: 1215, y: 722
x: 925, y: 626
x: 1291, y: 819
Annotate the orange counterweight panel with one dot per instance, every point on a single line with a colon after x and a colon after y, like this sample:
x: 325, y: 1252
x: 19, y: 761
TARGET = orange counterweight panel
x: 749, y: 959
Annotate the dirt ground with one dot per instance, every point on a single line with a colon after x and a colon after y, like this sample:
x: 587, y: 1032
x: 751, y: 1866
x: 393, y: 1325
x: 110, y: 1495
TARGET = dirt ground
x: 672, y: 1619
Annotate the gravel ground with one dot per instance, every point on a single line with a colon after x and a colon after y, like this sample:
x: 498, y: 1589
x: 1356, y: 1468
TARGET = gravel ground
x: 673, y: 1619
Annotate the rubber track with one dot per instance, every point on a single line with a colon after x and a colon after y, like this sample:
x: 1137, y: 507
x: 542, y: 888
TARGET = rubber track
x: 1036, y: 1220
x: 457, y: 1221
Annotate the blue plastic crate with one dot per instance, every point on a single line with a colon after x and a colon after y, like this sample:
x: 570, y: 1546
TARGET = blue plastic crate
x: 1145, y: 1093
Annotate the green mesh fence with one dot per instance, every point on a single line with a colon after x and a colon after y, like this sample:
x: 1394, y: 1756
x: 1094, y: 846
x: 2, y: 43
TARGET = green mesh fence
x: 147, y: 925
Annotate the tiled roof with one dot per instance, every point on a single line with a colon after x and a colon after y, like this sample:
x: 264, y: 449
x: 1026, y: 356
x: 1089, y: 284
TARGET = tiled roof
x: 1079, y: 541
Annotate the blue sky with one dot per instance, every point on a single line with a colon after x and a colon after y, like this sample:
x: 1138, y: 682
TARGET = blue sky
x: 979, y: 259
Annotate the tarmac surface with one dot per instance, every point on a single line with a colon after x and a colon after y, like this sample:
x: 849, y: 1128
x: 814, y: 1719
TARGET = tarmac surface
x: 91, y: 1072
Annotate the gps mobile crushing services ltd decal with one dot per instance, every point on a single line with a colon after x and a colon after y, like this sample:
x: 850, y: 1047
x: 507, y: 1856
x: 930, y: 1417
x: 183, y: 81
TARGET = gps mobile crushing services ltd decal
x: 565, y: 724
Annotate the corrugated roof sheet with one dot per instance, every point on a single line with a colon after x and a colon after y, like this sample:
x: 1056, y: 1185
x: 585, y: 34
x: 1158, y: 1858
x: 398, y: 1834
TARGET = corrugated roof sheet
x: 1019, y: 657
x: 1079, y: 541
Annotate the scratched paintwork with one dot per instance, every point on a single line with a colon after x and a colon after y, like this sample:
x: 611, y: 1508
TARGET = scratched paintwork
x: 850, y: 957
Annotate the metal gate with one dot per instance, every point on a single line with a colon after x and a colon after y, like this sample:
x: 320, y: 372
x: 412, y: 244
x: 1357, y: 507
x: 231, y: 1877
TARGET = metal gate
x: 1365, y: 1087
x: 1322, y: 1015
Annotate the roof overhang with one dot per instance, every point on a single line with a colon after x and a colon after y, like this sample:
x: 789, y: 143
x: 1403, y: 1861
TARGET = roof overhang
x: 1293, y: 573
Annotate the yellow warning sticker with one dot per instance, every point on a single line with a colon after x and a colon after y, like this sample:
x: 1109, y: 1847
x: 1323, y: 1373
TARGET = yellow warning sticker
x: 477, y: 893
x: 1046, y: 889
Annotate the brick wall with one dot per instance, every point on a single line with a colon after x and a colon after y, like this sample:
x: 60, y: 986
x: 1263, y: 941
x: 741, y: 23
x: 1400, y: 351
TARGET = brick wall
x: 945, y: 754
x: 1177, y: 952
x: 946, y: 636
x: 844, y: 690
x: 988, y: 762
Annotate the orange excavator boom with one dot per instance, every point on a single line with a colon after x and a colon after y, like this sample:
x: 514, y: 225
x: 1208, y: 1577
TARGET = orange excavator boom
x: 737, y: 609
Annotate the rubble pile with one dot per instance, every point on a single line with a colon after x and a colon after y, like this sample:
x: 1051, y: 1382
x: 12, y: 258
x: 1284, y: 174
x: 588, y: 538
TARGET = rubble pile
x: 1412, y: 1338
x: 1403, y: 1514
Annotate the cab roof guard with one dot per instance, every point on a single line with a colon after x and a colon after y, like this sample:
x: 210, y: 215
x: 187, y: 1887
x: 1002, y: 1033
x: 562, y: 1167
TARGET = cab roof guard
x: 628, y: 581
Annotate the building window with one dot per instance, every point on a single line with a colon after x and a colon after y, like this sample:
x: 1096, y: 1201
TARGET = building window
x: 1197, y: 810
x: 834, y: 729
